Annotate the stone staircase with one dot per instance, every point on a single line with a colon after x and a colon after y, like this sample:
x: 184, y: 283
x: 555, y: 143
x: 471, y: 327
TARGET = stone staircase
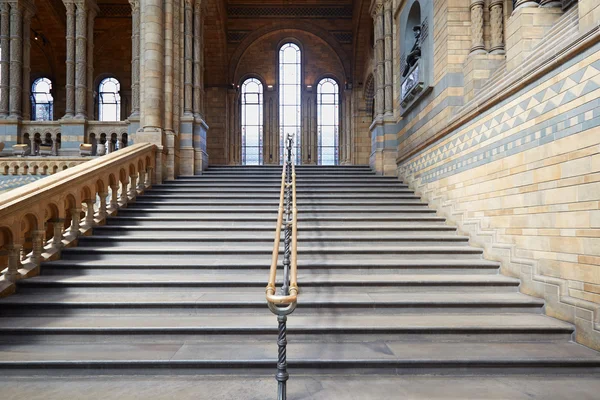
x: 175, y: 284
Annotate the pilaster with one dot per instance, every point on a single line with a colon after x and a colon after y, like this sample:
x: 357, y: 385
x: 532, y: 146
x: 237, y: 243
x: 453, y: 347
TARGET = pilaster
x: 70, y: 60
x: 135, y: 58
x: 4, y: 58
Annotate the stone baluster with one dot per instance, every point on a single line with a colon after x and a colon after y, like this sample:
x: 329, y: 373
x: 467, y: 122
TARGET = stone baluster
x: 101, y: 214
x: 70, y: 60
x: 75, y: 223
x: 140, y: 181
x: 16, y: 60
x: 377, y: 14
x: 114, y: 198
x: 135, y: 57
x: 57, y: 226
x: 14, y: 262
x: 37, y: 241
x: 497, y: 27
x: 388, y: 56
x: 89, y: 214
x: 132, y: 186
x: 148, y: 182
x: 477, y: 43
x: 123, y: 198
x: 4, y: 58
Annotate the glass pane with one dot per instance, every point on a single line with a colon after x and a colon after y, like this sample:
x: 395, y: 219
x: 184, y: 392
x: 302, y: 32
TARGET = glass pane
x: 252, y: 146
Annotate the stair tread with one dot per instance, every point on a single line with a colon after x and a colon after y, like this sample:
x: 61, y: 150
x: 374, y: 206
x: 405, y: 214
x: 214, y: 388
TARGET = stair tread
x: 190, y: 277
x: 252, y: 296
x: 266, y: 321
x: 255, y: 352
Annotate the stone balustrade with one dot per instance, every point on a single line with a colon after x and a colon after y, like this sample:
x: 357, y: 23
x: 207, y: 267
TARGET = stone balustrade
x: 38, y: 219
x: 38, y: 165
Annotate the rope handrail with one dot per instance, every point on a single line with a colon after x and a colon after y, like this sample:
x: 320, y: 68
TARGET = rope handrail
x: 283, y: 303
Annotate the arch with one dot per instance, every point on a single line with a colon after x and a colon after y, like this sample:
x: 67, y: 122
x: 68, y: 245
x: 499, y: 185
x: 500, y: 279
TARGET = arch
x: 6, y: 237
x: 369, y: 95
x: 109, y: 99
x: 131, y: 168
x: 86, y: 193
x: 290, y: 97
x: 42, y: 101
x: 287, y: 25
x: 29, y: 222
x: 52, y: 212
x: 100, y: 186
x: 112, y: 180
x: 328, y: 121
x: 252, y: 121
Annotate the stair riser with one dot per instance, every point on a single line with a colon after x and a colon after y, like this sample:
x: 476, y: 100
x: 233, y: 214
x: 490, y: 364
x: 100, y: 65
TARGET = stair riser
x: 269, y: 231
x: 142, y: 202
x: 272, y: 213
x: 272, y: 209
x: 260, y: 223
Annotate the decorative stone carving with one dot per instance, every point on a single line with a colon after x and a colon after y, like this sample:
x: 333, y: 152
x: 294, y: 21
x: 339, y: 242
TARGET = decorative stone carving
x: 550, y: 3
x: 525, y: 3
x: 415, y: 52
x: 4, y: 59
x: 477, y: 43
x: 26, y: 84
x: 81, y: 59
x: 377, y: 14
x: 388, y: 64
x: 188, y: 57
x: 497, y: 27
x: 92, y: 12
x: 198, y: 54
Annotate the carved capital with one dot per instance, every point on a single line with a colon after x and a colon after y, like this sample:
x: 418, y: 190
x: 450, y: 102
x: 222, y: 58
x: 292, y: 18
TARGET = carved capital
x: 376, y: 8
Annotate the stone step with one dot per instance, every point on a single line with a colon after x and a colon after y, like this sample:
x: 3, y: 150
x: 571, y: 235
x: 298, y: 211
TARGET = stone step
x: 307, y: 179
x: 237, y: 220
x: 304, y: 211
x: 241, y: 265
x: 271, y: 196
x: 300, y: 185
x: 248, y: 202
x: 306, y: 191
x: 439, y: 327
x: 153, y: 303
x: 326, y: 231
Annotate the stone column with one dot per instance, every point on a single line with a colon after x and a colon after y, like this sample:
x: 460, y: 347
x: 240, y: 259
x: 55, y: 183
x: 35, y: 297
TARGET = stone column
x: 152, y: 56
x: 14, y: 262
x: 377, y: 14
x: 188, y: 57
x: 4, y: 58
x: 92, y: 11
x: 135, y: 57
x: 37, y: 241
x: 75, y: 223
x: 123, y: 198
x: 70, y: 60
x: 347, y: 128
x: 477, y: 43
x: 141, y: 179
x: 57, y: 225
x: 132, y: 186
x: 198, y: 67
x: 497, y: 27
x: 81, y: 52
x: 16, y: 59
x: 525, y: 3
x: 234, y: 148
x: 26, y: 106
x: 389, y: 72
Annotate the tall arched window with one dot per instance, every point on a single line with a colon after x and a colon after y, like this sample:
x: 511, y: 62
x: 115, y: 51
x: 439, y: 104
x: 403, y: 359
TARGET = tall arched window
x: 41, y: 100
x: 252, y: 122
x: 109, y: 100
x: 328, y: 122
x: 290, y: 75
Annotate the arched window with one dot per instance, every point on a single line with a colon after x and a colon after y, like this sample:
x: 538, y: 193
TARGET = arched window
x: 109, y: 100
x: 290, y: 75
x: 328, y: 122
x: 41, y: 100
x: 252, y: 122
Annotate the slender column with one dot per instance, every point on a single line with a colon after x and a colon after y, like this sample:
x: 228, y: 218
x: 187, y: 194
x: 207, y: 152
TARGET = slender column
x: 57, y: 225
x: 70, y: 61
x: 16, y: 59
x: 198, y: 40
x: 135, y: 58
x: 497, y: 27
x: 4, y: 58
x: 14, y: 262
x: 379, y: 59
x: 389, y: 72
x: 81, y: 59
x: 477, y: 43
x: 37, y: 241
x: 188, y: 57
x: 132, y: 186
x: 26, y: 106
x: 526, y: 3
x: 89, y: 214
x: 123, y: 197
x: 141, y: 178
x: 75, y: 223
x: 148, y: 180
x: 347, y: 127
x: 90, y: 61
x: 152, y: 56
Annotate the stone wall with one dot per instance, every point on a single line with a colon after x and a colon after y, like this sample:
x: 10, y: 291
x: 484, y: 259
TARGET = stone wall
x: 521, y: 175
